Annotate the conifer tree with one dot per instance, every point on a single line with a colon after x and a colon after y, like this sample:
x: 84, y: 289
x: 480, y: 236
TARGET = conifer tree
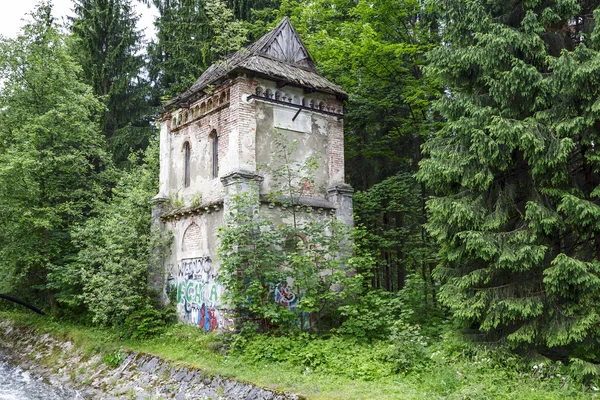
x: 193, y: 34
x: 181, y: 51
x: 108, y: 46
x: 515, y: 170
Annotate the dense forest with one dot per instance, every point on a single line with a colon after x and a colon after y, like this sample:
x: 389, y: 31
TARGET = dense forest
x: 470, y: 131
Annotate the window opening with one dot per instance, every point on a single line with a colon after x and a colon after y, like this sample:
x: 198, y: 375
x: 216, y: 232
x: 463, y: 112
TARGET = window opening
x: 215, y: 154
x: 186, y: 149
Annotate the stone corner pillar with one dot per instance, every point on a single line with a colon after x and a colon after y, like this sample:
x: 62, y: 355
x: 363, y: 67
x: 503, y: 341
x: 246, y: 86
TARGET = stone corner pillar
x: 160, y: 205
x: 240, y: 181
x: 237, y: 182
x: 340, y: 194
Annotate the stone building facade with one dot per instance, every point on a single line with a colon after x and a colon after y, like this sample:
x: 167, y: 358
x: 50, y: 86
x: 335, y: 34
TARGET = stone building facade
x: 213, y: 140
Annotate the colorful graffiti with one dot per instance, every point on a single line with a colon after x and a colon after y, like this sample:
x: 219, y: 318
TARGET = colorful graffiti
x: 283, y: 295
x: 199, y: 294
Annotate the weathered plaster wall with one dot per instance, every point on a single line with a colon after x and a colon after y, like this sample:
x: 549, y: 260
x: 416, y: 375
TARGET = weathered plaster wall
x: 208, y: 114
x: 192, y: 269
x: 316, y: 133
x: 310, y: 144
x: 279, y: 214
x: 139, y: 376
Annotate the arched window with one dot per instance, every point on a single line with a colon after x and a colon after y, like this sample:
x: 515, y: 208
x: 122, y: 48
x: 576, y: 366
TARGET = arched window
x: 215, y: 154
x: 186, y: 150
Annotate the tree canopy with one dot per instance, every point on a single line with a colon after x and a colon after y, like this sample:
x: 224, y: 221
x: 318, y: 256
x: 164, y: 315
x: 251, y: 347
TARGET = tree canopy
x: 108, y: 46
x: 515, y: 171
x: 52, y: 156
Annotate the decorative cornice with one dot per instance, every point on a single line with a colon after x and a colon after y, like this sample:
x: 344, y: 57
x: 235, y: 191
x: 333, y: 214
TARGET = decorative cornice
x: 239, y: 176
x: 342, y: 188
x: 181, y: 212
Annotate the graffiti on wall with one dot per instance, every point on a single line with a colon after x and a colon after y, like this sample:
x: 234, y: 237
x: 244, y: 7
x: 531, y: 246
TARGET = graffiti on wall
x: 283, y: 295
x: 199, y: 294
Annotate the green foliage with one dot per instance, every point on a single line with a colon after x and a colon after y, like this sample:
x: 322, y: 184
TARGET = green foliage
x: 338, y: 367
x: 147, y: 321
x: 196, y: 199
x: 229, y: 34
x: 114, y: 359
x: 192, y: 35
x: 307, y: 259
x: 51, y: 157
x: 120, y: 248
x: 377, y: 314
x: 181, y: 51
x: 312, y: 354
x: 410, y: 347
x: 375, y: 50
x: 392, y: 214
x: 372, y: 316
x: 515, y: 171
x: 250, y: 259
x: 297, y: 270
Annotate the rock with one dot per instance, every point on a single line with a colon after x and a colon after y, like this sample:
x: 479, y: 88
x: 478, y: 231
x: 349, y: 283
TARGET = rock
x: 139, y: 376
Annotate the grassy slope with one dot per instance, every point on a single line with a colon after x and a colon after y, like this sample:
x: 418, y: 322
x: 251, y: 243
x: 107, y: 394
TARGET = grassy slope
x: 455, y: 377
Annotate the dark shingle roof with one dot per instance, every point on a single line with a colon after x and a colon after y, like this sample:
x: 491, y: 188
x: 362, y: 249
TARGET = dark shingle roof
x: 279, y: 54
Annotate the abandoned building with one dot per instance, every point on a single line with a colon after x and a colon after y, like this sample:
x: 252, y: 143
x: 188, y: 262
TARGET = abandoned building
x: 215, y: 136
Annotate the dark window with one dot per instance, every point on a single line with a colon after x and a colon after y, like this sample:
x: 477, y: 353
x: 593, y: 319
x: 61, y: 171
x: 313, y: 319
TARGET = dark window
x: 215, y: 154
x: 186, y: 149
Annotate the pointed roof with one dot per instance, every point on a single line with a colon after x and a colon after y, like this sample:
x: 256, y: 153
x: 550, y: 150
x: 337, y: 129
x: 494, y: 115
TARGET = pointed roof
x: 280, y: 54
x: 284, y: 44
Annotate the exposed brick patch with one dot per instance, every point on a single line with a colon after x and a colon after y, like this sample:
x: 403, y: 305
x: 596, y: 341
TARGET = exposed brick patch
x: 192, y: 238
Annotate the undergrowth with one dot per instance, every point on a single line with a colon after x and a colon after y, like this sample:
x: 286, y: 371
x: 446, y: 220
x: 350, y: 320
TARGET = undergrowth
x: 407, y: 365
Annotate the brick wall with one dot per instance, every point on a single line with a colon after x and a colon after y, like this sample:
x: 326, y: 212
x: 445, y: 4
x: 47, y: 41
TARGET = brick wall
x: 335, y: 150
x: 192, y: 238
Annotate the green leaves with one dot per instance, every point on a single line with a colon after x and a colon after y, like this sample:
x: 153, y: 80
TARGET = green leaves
x: 192, y: 35
x: 281, y: 275
x: 120, y: 248
x: 51, y: 155
x: 376, y: 52
x: 107, y: 45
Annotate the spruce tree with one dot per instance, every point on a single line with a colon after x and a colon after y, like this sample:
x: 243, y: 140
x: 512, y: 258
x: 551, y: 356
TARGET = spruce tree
x: 181, y: 51
x: 515, y: 170
x: 108, y: 46
x: 193, y: 34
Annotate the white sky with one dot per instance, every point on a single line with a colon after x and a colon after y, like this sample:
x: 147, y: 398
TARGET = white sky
x: 14, y: 11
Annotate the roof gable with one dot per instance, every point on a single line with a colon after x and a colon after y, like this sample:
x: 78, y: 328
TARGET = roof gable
x: 284, y: 44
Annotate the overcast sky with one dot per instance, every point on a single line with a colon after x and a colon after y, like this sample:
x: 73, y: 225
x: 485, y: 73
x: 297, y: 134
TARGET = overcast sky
x: 14, y: 11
